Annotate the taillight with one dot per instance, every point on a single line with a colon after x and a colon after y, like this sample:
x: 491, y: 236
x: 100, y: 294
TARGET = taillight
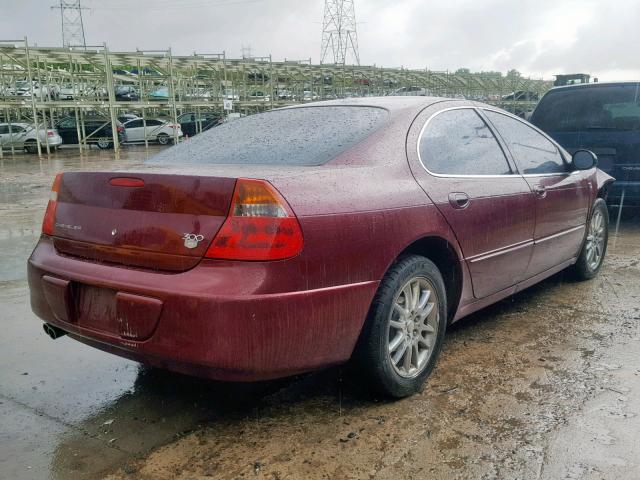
x: 50, y: 133
x: 260, y: 225
x: 50, y: 214
x: 120, y: 129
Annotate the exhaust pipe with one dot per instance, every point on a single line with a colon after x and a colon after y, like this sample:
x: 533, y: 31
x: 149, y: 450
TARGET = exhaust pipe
x: 53, y: 332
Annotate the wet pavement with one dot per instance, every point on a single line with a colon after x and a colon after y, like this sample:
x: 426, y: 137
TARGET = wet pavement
x: 545, y: 384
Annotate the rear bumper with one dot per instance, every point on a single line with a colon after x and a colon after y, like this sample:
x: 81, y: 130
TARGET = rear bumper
x: 55, y: 141
x: 180, y: 322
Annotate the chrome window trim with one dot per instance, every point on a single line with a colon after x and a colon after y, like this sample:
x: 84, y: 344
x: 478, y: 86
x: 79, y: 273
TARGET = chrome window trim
x: 533, y: 127
x: 453, y: 175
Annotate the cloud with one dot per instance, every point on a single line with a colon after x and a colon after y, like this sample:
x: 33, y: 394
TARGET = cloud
x: 536, y: 37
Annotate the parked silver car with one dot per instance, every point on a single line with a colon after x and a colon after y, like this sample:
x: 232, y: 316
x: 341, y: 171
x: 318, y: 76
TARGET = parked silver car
x: 23, y: 135
x: 155, y: 129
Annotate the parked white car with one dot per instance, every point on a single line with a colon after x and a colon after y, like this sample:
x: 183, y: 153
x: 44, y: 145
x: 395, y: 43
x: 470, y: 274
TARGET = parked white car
x: 309, y: 96
x: 69, y: 91
x: 259, y: 96
x: 125, y: 117
x: 23, y: 135
x: 156, y: 129
x: 412, y: 92
x: 41, y: 92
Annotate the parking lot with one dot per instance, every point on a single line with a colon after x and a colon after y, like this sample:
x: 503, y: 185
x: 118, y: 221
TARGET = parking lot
x: 544, y: 384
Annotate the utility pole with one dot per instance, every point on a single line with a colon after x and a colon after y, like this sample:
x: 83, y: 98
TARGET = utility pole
x: 71, y: 22
x: 339, y: 36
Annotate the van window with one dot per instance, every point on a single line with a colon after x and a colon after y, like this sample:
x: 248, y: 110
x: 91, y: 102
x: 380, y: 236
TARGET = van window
x: 606, y: 107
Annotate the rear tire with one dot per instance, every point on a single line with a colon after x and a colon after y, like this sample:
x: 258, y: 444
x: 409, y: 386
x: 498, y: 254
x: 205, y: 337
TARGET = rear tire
x: 164, y: 139
x: 594, y: 247
x: 407, y: 318
x: 104, y: 143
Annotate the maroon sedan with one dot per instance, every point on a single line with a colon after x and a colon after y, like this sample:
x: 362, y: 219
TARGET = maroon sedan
x: 305, y: 237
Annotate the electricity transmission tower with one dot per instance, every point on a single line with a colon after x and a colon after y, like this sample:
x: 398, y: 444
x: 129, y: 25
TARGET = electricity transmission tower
x: 72, y: 26
x: 339, y: 36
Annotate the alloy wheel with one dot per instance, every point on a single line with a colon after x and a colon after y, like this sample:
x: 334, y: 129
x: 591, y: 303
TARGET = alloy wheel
x: 595, y: 240
x: 413, y: 327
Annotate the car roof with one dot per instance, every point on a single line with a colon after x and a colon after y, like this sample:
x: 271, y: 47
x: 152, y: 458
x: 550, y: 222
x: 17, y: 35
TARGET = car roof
x: 595, y: 85
x: 147, y: 119
x: 396, y: 105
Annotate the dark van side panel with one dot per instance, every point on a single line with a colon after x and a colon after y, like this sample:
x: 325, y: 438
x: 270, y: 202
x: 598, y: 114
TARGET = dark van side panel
x: 604, y: 118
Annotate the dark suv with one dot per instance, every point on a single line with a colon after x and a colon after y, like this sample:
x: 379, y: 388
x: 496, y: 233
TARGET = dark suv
x: 97, y: 130
x: 601, y: 117
x: 193, y: 123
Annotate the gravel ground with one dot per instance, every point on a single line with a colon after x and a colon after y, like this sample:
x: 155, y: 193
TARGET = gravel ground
x: 545, y: 384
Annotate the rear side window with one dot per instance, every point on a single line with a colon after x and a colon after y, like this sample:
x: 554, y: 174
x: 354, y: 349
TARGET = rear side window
x: 290, y: 136
x: 459, y: 142
x: 610, y: 107
x: 67, y: 123
x: 534, y: 153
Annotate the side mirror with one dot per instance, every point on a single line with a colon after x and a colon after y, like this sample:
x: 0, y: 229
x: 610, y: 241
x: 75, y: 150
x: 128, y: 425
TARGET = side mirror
x: 584, y: 160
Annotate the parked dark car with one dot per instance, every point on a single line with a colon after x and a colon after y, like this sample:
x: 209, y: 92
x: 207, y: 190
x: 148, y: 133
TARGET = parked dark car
x: 97, y: 129
x: 304, y: 237
x: 604, y: 118
x: 194, y: 123
x: 522, y: 96
x: 126, y: 93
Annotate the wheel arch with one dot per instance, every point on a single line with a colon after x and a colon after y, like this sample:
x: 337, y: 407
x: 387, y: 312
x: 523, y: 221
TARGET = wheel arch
x: 441, y: 252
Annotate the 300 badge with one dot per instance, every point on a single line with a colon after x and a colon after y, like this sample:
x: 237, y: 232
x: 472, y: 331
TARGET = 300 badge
x: 191, y: 240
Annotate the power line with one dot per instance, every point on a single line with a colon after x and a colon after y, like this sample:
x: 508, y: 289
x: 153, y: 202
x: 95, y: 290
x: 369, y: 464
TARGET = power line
x: 173, y: 5
x: 339, y: 35
x: 71, y: 23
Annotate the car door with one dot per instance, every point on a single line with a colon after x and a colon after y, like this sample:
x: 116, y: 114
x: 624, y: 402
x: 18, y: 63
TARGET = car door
x: 134, y: 130
x: 562, y: 196
x: 18, y: 135
x: 4, y: 136
x: 153, y: 128
x: 67, y: 130
x: 463, y: 168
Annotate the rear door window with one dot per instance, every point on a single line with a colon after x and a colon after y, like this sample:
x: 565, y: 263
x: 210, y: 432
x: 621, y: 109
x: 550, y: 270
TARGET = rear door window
x: 533, y: 152
x: 288, y: 136
x: 459, y: 142
x: 134, y: 124
x: 67, y: 123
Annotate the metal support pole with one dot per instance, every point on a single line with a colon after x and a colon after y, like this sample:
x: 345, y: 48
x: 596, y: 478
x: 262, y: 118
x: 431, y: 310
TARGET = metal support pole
x: 33, y: 100
x: 111, y: 94
x: 172, y: 100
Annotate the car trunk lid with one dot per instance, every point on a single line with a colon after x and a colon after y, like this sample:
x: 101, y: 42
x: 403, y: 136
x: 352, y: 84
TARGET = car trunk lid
x: 146, y: 220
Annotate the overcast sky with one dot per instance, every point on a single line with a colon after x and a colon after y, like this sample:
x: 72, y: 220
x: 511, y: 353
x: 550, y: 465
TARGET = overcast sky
x: 536, y: 37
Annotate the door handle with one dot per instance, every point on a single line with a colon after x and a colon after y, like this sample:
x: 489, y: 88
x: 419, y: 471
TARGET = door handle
x: 459, y: 200
x: 540, y: 191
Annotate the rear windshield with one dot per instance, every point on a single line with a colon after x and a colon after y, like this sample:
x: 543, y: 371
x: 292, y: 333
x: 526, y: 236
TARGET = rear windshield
x: 614, y: 107
x: 293, y: 136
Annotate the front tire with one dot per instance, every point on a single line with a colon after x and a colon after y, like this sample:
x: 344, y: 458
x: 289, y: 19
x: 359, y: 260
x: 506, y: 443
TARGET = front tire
x: 403, y: 334
x: 594, y: 247
x: 104, y: 143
